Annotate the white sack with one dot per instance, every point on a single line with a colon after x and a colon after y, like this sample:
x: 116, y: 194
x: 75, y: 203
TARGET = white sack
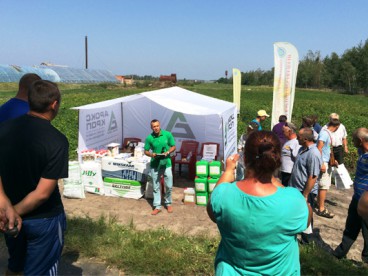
x: 73, y: 186
x: 92, y: 178
x: 342, y: 177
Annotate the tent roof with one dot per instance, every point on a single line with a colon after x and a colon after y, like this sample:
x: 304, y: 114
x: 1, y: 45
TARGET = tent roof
x: 174, y: 98
x: 108, y: 102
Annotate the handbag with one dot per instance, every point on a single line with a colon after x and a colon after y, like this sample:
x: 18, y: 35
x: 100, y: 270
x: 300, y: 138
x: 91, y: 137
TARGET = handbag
x: 332, y: 162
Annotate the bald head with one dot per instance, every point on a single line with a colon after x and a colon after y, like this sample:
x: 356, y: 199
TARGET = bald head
x: 360, y: 137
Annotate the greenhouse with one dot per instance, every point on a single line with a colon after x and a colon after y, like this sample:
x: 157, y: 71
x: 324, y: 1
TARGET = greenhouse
x: 13, y: 73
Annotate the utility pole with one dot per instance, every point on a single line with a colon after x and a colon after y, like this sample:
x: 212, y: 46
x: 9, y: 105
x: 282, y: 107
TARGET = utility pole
x: 86, y: 50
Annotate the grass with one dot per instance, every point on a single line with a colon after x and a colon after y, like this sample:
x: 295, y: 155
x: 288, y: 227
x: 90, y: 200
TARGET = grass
x: 350, y: 107
x: 161, y: 252
x: 155, y: 252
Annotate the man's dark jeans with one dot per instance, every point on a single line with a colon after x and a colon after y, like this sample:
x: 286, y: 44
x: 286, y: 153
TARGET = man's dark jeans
x: 354, y: 223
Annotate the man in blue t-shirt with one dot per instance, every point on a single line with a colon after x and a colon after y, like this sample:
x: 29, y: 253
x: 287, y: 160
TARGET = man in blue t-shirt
x: 305, y: 171
x: 18, y: 105
x: 354, y: 222
x: 324, y: 143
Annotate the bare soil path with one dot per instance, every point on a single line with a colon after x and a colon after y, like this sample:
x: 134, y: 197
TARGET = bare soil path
x: 186, y: 220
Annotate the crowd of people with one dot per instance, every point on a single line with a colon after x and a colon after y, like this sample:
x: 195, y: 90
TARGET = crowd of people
x: 264, y: 198
x: 286, y: 174
x: 34, y: 156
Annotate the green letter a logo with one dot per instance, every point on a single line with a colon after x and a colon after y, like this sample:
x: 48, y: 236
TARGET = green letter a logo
x: 178, y: 121
x: 113, y: 125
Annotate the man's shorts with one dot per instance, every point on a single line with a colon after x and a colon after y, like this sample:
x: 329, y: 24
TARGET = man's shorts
x: 324, y: 179
x: 338, y: 154
x: 37, y: 248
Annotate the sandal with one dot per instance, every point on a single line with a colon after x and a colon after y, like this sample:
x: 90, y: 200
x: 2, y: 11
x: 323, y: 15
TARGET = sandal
x: 325, y: 213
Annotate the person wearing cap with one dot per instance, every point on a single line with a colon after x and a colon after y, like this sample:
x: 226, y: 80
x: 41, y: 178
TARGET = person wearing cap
x: 339, y: 139
x: 324, y: 179
x: 261, y: 116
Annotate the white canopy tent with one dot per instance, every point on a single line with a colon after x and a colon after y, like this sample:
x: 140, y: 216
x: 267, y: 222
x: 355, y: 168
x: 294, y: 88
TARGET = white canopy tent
x: 187, y: 115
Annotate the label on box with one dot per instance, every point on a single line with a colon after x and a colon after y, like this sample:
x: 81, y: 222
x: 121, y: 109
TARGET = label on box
x: 189, y: 198
x: 215, y: 170
x: 200, y: 186
x: 201, y: 199
x: 201, y: 169
x: 211, y: 186
x: 123, y: 188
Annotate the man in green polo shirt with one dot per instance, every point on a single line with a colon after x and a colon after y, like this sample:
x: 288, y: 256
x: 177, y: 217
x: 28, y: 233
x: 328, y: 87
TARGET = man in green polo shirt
x: 159, y: 145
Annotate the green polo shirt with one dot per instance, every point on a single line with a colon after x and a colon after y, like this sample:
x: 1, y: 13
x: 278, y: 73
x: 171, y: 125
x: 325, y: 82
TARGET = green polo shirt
x: 159, y: 144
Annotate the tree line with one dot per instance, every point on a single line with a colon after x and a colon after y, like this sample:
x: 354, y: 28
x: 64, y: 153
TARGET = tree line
x: 347, y: 73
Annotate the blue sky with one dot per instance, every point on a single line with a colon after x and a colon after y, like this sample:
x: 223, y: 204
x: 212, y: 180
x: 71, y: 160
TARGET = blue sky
x: 197, y: 39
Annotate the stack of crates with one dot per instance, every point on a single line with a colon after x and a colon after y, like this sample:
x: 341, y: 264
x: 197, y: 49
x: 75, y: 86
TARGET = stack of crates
x: 207, y: 175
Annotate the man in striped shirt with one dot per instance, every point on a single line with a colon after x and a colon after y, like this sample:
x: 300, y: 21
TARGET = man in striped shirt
x: 354, y: 222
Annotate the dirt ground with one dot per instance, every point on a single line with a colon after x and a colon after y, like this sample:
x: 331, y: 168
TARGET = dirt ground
x: 186, y: 219
x: 193, y: 219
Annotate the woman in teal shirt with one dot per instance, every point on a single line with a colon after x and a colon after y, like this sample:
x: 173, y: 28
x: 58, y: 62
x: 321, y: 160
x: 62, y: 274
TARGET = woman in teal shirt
x: 257, y: 217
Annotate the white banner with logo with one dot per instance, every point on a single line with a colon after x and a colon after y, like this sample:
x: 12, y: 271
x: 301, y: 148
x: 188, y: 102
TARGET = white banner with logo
x: 229, y: 133
x: 236, y: 88
x: 99, y: 127
x: 201, y: 128
x: 286, y: 68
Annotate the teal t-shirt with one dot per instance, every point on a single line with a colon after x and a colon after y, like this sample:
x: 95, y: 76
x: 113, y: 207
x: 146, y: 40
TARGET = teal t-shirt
x: 159, y: 144
x: 258, y: 234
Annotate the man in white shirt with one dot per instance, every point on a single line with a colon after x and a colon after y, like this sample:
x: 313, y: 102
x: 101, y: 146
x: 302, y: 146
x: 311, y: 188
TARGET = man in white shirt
x: 339, y: 140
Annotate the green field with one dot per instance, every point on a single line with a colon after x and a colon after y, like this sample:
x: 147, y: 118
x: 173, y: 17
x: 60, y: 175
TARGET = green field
x: 352, y: 108
x: 116, y: 244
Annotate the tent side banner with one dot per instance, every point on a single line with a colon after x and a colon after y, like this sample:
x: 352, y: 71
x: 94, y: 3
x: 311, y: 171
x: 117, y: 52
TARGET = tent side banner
x: 100, y: 126
x: 200, y: 128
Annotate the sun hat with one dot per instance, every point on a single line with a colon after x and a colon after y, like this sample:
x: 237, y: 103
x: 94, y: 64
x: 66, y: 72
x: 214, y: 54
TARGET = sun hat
x: 262, y: 112
x: 334, y: 116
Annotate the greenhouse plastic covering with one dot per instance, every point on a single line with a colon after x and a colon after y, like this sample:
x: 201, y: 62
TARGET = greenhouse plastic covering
x: 13, y: 73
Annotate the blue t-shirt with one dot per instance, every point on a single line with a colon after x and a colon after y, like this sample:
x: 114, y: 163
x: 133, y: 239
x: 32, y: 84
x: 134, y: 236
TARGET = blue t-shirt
x: 324, y: 136
x: 361, y: 175
x: 13, y: 109
x: 259, y: 125
x: 317, y: 127
x: 258, y: 233
x: 307, y: 164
